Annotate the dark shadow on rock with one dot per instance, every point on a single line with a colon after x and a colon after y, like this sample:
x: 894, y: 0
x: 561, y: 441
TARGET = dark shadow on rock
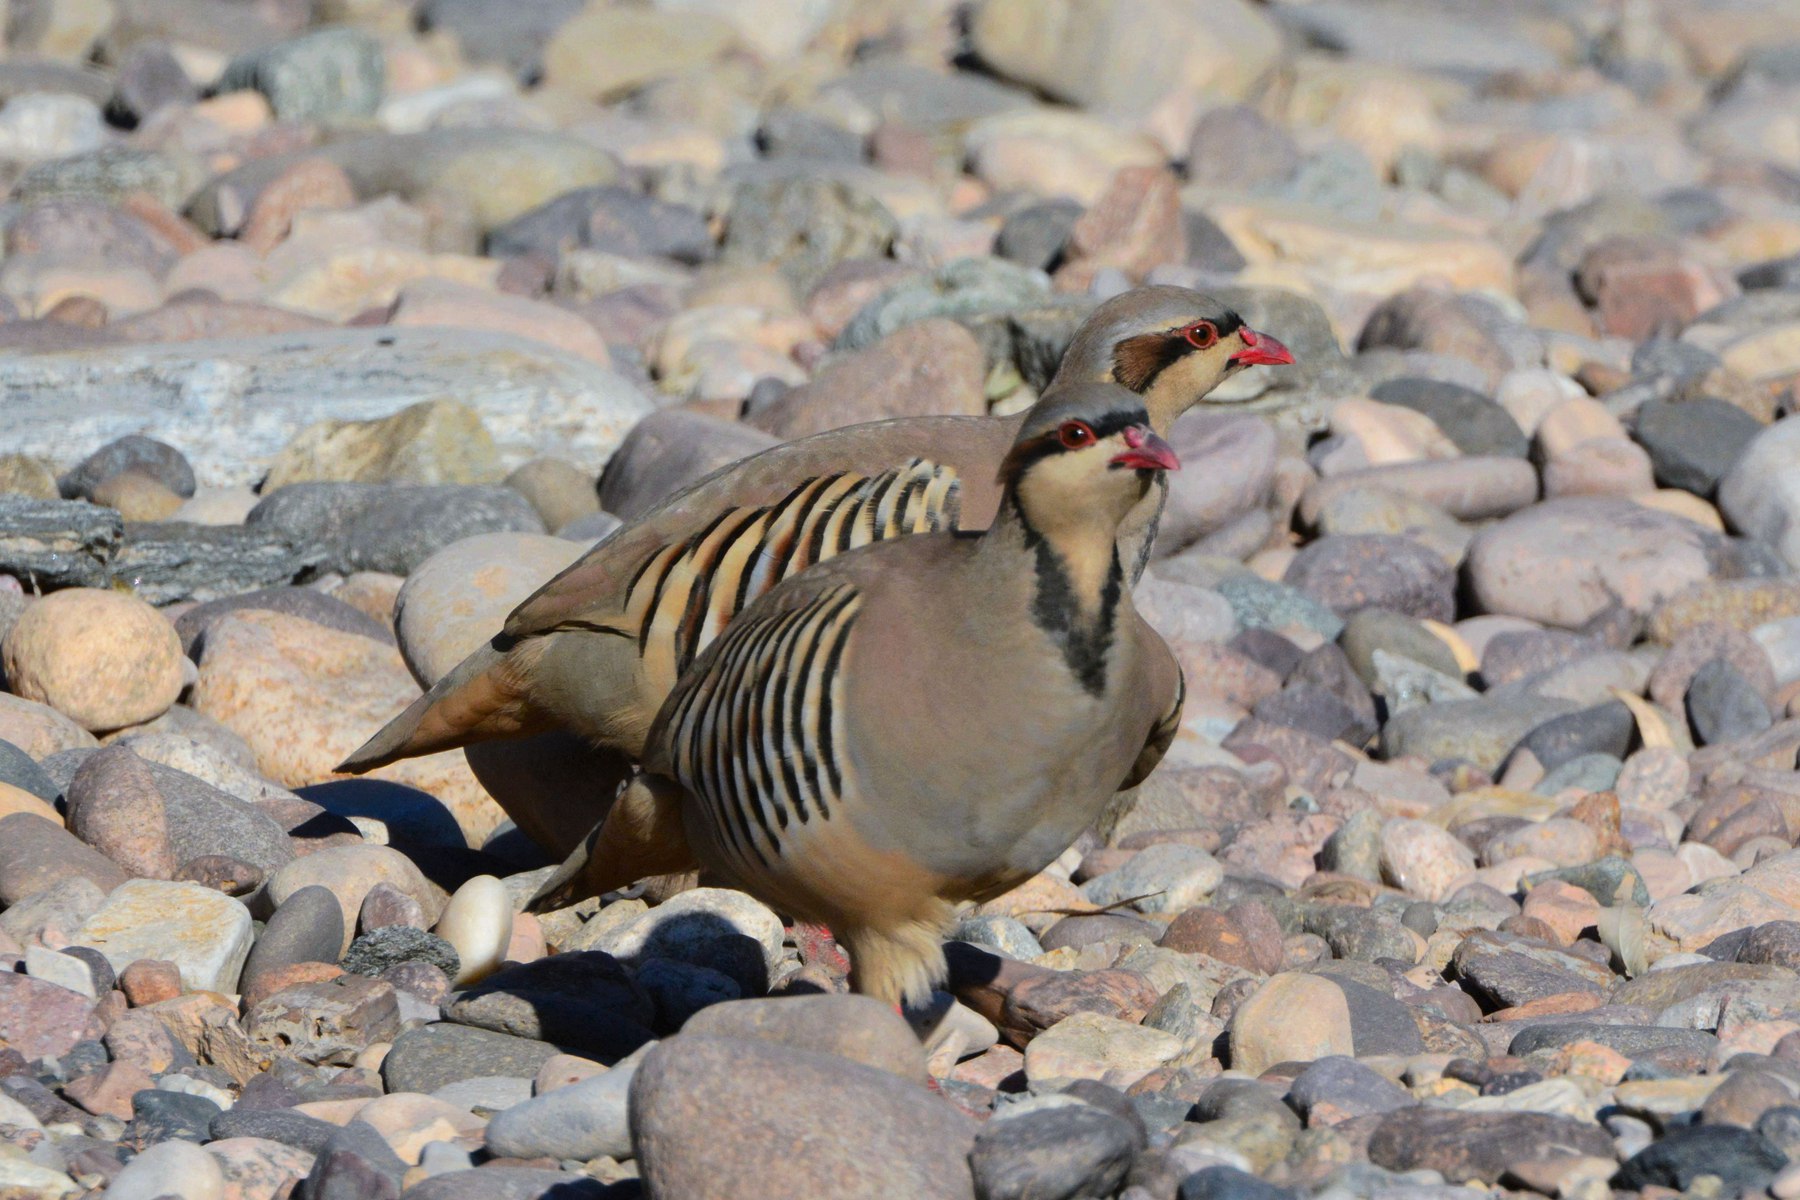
x: 418, y: 824
x: 452, y: 866
x: 414, y: 818
x: 708, y: 940
x: 323, y: 825
x: 584, y: 1001
x: 512, y: 846
x: 977, y: 978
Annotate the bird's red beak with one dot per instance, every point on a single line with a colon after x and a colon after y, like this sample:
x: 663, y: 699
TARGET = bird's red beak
x: 1260, y: 350
x: 1147, y: 452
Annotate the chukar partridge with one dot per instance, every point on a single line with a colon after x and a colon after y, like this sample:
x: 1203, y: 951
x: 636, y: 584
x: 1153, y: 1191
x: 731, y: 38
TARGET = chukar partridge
x: 920, y: 722
x: 597, y: 649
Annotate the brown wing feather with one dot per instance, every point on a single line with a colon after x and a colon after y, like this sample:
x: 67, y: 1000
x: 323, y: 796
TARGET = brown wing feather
x: 503, y: 692
x: 592, y: 588
x: 1161, y: 737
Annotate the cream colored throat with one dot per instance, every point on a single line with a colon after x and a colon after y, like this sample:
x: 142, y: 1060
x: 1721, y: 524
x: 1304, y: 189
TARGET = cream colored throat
x: 1076, y: 586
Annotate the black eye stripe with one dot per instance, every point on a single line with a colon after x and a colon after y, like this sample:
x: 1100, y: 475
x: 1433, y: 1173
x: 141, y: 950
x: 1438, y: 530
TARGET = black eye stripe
x: 1226, y: 323
x: 1113, y: 422
x: 1045, y: 444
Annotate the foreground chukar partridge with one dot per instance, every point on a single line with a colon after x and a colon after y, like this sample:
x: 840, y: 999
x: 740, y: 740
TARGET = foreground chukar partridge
x: 920, y: 722
x: 597, y: 649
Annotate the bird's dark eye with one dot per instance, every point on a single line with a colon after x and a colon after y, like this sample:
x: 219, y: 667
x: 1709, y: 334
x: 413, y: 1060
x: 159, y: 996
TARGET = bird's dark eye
x: 1075, y: 434
x: 1201, y: 335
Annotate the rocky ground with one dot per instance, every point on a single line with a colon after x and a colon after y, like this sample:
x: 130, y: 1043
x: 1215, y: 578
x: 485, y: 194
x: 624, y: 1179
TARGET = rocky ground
x: 1474, y: 868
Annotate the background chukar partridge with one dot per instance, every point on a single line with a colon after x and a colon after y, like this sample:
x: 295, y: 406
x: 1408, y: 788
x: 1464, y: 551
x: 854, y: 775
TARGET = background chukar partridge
x: 597, y: 649
x: 919, y: 722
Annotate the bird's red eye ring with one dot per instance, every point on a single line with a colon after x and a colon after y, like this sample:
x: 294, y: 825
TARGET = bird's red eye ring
x: 1075, y: 435
x: 1202, y: 335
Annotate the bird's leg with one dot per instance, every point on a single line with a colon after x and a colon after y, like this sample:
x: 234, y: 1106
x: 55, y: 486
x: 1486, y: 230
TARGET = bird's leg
x: 898, y: 964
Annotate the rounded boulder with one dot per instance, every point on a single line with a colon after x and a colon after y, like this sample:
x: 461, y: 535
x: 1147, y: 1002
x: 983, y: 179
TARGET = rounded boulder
x: 103, y: 659
x: 717, y: 1116
x: 459, y: 597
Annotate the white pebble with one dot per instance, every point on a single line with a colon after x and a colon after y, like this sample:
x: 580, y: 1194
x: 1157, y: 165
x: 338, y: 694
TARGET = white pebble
x: 64, y: 970
x: 22, y: 1177
x: 440, y: 1158
x: 478, y: 922
x: 196, y: 1087
x: 14, y: 1113
x: 173, y: 1168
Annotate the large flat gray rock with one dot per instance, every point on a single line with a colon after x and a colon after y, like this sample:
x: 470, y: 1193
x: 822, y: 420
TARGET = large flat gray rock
x: 230, y: 404
x: 56, y: 543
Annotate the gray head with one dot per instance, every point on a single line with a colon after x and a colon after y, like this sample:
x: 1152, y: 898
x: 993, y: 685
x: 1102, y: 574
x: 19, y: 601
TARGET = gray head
x: 1087, y: 447
x: 1170, y: 345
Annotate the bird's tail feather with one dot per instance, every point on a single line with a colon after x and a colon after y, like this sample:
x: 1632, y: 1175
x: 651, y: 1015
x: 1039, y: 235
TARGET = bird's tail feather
x: 477, y: 700
x: 641, y: 837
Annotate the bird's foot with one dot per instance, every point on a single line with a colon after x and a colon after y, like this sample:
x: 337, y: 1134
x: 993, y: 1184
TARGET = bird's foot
x: 817, y: 946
